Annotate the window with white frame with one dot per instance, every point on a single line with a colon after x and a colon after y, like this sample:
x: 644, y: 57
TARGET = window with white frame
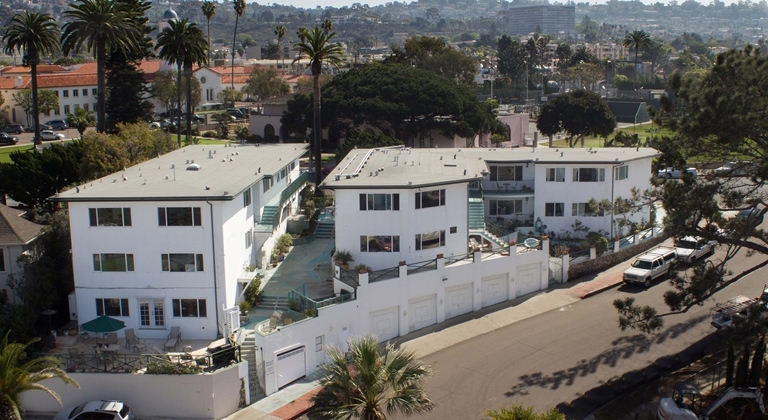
x: 179, y: 216
x: 189, y: 308
x: 369, y: 202
x: 75, y: 93
x: 113, y: 262
x: 85, y: 92
x: 65, y: 93
x: 506, y: 173
x: 554, y: 209
x: 66, y: 107
x: 555, y: 174
x: 182, y: 263
x: 621, y: 172
x: 94, y: 91
x: 267, y: 183
x: 426, y: 199
x: 505, y: 207
x: 429, y: 240
x: 380, y: 243
x: 586, y: 210
x: 247, y: 197
x: 109, y: 216
x: 151, y: 313
x: 588, y: 174
x: 112, y: 307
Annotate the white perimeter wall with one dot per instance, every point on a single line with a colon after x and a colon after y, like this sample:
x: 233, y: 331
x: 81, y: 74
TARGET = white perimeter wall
x: 10, y: 254
x: 337, y: 323
x: 351, y: 223
x: 204, y: 396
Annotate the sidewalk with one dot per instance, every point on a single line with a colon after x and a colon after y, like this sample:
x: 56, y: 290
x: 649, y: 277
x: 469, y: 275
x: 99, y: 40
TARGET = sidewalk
x: 293, y: 401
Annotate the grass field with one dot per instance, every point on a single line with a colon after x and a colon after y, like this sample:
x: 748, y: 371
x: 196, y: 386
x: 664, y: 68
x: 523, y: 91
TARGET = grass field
x: 5, y: 152
x: 644, y: 131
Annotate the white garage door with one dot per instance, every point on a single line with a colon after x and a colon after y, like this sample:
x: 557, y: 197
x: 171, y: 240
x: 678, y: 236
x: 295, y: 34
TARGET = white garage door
x: 458, y: 300
x: 494, y: 290
x: 291, y: 365
x: 423, y: 312
x: 528, y: 279
x: 385, y: 323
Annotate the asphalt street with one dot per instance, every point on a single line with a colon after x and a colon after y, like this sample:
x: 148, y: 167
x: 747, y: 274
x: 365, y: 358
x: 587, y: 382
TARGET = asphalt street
x: 559, y: 355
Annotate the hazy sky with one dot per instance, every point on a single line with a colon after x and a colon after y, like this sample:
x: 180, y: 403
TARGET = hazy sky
x: 311, y: 4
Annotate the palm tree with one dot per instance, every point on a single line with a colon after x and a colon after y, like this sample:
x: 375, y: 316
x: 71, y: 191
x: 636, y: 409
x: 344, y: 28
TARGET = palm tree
x: 209, y: 10
x: 100, y: 25
x: 17, y: 375
x: 637, y: 40
x: 81, y: 119
x: 315, y: 45
x: 239, y: 10
x: 35, y: 34
x: 183, y: 43
x: 373, y: 384
x: 280, y: 32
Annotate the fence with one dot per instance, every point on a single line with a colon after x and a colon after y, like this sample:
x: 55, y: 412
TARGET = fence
x: 301, y: 302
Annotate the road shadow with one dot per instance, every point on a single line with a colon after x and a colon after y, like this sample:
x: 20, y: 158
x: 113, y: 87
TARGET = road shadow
x: 622, y: 348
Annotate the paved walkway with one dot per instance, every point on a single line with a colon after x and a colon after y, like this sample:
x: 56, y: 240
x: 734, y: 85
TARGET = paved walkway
x: 309, y: 264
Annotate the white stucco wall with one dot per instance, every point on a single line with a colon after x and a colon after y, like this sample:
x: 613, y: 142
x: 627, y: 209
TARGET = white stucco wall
x: 351, y: 223
x: 11, y: 253
x: 204, y: 396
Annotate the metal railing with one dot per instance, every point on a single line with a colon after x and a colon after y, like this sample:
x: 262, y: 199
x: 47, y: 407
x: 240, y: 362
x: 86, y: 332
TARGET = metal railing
x: 286, y: 195
x: 384, y: 274
x: 301, y: 302
x: 422, y: 266
x: 132, y: 363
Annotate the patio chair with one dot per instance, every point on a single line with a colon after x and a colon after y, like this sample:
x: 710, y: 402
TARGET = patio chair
x: 174, y: 338
x: 111, y: 338
x: 272, y: 323
x: 287, y: 321
x: 131, y: 341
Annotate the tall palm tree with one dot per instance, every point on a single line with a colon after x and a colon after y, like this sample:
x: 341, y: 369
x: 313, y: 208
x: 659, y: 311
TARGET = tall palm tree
x: 209, y: 10
x: 100, y: 25
x: 239, y: 10
x: 81, y: 119
x: 637, y: 40
x: 17, y: 375
x: 316, y: 46
x: 183, y: 43
x: 373, y: 384
x: 34, y: 34
x: 280, y: 32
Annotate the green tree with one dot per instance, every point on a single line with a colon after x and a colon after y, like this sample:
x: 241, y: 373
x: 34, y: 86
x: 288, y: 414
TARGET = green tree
x: 230, y: 95
x: 518, y: 412
x: 183, y: 43
x: 437, y: 56
x: 47, y: 101
x: 363, y: 139
x: 316, y: 46
x: 715, y: 117
x: 373, y: 384
x: 105, y: 154
x: 34, y: 34
x: 265, y: 83
x: 209, y: 10
x: 280, y: 32
x: 100, y: 26
x: 578, y: 113
x: 637, y: 40
x: 511, y: 61
x: 239, y: 6
x: 81, y: 119
x: 19, y: 374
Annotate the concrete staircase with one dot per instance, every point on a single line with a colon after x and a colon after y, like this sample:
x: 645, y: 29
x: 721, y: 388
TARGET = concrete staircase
x: 274, y: 302
x: 325, y: 229
x: 248, y: 353
x: 267, y: 214
x: 476, y: 214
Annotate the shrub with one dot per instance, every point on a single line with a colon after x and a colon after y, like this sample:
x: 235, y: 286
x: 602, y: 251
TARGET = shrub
x: 244, y: 306
x: 343, y: 257
x: 209, y: 134
x: 167, y: 367
x: 284, y: 243
x: 252, y: 293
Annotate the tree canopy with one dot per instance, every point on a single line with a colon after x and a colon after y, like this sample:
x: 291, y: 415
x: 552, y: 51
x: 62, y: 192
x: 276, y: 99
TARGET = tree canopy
x: 577, y: 113
x: 437, y: 56
x: 264, y: 83
x: 47, y: 101
x: 405, y: 103
x: 717, y: 117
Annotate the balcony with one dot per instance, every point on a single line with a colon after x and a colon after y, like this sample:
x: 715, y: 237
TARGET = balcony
x: 501, y: 189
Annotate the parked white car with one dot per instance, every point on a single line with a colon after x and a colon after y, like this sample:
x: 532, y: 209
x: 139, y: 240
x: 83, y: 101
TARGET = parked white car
x: 676, y: 173
x: 102, y: 410
x: 732, y: 169
x: 51, y: 135
x: 650, y: 266
x: 692, y: 248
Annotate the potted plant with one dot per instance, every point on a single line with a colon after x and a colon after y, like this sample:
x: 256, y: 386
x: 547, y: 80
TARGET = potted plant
x: 245, y: 306
x: 362, y: 268
x: 343, y: 258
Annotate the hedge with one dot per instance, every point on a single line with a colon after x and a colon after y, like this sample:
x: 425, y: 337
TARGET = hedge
x: 607, y: 261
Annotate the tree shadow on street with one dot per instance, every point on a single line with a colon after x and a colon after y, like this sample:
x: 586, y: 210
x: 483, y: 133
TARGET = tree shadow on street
x: 622, y: 348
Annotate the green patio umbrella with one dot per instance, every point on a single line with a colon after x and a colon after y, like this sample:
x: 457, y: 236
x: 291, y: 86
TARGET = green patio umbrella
x: 103, y: 324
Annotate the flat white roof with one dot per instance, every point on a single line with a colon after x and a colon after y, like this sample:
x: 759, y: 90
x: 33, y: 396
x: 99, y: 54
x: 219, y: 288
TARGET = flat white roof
x: 398, y: 167
x: 223, y: 172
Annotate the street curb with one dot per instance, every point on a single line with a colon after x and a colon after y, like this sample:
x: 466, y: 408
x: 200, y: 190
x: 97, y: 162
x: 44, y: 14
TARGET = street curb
x: 600, y: 290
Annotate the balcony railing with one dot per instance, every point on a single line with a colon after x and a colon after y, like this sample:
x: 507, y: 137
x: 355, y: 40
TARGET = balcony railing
x: 286, y: 195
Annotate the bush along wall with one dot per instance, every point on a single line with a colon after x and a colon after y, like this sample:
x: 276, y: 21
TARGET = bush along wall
x: 607, y: 261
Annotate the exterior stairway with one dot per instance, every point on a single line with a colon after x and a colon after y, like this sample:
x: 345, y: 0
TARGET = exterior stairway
x: 325, y: 229
x: 274, y: 302
x: 248, y: 353
x: 476, y: 214
x: 267, y: 214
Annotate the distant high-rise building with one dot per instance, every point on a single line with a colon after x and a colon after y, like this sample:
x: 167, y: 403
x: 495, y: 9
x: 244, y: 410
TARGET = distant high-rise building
x: 549, y: 19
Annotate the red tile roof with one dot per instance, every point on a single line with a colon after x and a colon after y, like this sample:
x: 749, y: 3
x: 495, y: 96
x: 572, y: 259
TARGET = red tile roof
x: 43, y: 68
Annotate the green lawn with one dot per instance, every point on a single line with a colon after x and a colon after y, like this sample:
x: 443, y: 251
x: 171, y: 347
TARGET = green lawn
x: 643, y: 131
x: 5, y: 152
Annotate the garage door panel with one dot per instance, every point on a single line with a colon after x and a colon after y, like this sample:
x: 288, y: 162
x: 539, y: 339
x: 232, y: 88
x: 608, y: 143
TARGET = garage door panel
x: 385, y: 323
x: 423, y: 312
x: 291, y: 365
x: 458, y: 300
x: 494, y: 290
x: 528, y: 279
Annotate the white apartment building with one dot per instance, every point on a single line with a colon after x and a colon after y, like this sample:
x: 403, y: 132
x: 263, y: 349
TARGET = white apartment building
x: 167, y: 242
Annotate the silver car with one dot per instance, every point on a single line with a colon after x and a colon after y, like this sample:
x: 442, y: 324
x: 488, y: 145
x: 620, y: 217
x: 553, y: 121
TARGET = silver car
x: 51, y: 135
